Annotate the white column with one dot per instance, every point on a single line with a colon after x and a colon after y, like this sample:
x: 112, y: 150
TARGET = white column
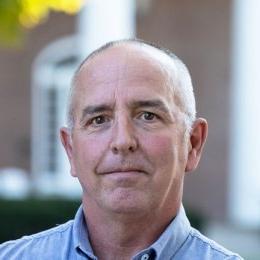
x: 101, y: 21
x: 245, y: 116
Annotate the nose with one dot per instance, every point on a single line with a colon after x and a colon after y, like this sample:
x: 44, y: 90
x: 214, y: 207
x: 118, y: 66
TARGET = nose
x: 123, y: 140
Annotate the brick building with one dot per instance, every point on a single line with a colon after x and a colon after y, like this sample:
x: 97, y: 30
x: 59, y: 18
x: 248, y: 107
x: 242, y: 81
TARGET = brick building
x: 200, y: 32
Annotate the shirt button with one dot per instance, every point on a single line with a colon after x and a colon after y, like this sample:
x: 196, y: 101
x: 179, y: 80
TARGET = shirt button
x: 145, y: 257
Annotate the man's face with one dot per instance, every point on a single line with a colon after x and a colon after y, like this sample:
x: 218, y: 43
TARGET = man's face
x: 129, y: 146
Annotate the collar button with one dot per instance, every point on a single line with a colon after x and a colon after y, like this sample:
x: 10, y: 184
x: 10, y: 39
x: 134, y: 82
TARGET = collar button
x: 145, y: 257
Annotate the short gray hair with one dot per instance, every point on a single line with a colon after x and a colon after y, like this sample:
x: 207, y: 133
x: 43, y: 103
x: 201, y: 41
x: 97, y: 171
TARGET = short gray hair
x: 185, y: 94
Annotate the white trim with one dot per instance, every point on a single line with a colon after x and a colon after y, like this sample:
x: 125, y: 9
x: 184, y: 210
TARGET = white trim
x: 244, y: 183
x: 103, y: 21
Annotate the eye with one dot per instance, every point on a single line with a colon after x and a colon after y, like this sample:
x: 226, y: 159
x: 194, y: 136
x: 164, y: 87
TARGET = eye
x: 98, y: 120
x: 148, y: 116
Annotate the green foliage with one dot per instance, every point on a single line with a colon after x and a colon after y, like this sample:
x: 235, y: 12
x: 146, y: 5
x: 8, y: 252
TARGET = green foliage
x: 18, y: 15
x: 196, y: 219
x: 26, y: 217
x: 30, y: 216
x: 10, y: 28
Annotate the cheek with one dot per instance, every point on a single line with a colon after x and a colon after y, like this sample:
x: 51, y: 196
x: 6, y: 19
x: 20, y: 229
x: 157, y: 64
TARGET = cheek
x: 159, y: 148
x: 88, y: 151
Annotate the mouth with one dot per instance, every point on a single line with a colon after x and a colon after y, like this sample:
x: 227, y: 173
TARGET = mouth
x: 126, y: 171
x: 125, y: 178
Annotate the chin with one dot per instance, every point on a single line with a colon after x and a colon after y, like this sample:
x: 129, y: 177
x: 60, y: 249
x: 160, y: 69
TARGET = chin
x: 127, y: 202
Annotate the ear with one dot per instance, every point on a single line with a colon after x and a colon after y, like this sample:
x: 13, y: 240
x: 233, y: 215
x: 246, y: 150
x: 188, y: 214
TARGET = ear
x: 66, y: 139
x: 197, y: 140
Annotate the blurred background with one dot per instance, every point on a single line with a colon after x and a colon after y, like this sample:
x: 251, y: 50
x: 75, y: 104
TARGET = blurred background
x: 42, y: 43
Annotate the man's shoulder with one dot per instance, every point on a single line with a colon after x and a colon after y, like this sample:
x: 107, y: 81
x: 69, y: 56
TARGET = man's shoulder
x: 46, y: 234
x: 203, y: 246
x: 45, y: 240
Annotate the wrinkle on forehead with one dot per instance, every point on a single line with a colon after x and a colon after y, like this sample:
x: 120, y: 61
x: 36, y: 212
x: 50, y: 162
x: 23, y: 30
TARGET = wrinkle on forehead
x: 128, y: 58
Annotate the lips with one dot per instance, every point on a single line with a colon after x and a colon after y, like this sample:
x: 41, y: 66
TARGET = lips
x: 125, y: 166
x: 123, y: 170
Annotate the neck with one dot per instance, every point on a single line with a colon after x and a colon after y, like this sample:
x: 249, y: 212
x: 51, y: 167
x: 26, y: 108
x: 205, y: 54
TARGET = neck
x: 121, y: 236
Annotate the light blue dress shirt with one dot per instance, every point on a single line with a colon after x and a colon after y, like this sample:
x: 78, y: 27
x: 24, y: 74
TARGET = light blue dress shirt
x: 70, y: 241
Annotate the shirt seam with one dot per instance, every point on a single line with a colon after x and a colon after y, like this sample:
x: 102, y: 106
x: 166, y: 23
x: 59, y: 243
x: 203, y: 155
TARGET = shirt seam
x: 173, y: 255
x: 193, y: 234
x: 47, y: 234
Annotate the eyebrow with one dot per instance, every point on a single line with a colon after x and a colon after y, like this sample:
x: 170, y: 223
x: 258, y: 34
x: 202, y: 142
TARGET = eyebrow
x: 158, y: 104
x: 94, y: 109
x: 90, y: 110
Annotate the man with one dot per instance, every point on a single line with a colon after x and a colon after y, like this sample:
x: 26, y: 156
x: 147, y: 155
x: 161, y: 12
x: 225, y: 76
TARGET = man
x: 132, y: 135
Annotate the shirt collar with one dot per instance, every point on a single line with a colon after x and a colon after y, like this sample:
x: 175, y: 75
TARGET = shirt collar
x: 172, y: 238
x: 80, y: 235
x: 170, y: 241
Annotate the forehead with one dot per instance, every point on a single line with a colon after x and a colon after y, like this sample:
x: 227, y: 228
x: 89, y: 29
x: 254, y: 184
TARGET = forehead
x: 125, y: 68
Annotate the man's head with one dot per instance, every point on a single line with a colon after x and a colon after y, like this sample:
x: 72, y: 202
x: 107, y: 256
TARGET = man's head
x: 133, y: 132
x: 174, y: 69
